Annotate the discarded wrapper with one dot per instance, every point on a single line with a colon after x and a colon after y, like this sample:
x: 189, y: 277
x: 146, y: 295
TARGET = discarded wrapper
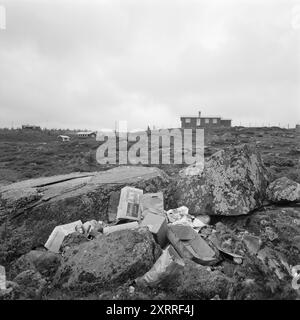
x: 118, y: 227
x: 129, y: 205
x: 158, y: 226
x: 191, y: 245
x: 181, y: 216
x: 166, y: 266
x: 198, y: 224
x: 177, y: 214
x: 204, y: 219
x: 153, y: 203
x: 59, y: 233
x: 2, y: 278
x: 91, y: 225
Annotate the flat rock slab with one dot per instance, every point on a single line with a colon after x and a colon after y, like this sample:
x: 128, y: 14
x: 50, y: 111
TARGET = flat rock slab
x: 233, y: 182
x: 30, y: 210
x: 107, y: 261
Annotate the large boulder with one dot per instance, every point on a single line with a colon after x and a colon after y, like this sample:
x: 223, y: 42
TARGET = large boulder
x: 283, y: 190
x: 31, y: 209
x: 107, y: 261
x: 45, y: 262
x: 233, y: 182
x: 31, y: 284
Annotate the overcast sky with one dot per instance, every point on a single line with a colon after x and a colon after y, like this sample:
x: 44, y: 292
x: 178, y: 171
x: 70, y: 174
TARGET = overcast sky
x: 86, y: 64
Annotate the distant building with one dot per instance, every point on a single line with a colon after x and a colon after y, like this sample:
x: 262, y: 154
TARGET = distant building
x: 86, y: 134
x: 192, y: 122
x: 30, y: 127
x: 64, y: 138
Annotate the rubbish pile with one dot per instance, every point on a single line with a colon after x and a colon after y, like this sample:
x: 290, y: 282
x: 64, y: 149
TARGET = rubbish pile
x: 183, y: 244
x: 175, y: 231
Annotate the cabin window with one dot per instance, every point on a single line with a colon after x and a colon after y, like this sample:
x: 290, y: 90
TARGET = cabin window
x: 187, y: 120
x: 206, y: 120
x: 215, y: 121
x: 198, y: 122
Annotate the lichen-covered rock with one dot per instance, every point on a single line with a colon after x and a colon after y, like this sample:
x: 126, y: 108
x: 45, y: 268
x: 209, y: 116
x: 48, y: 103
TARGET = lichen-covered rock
x: 31, y: 284
x: 233, y: 183
x: 107, y: 261
x: 72, y: 240
x: 198, y: 282
x: 283, y: 190
x: 31, y: 209
x: 45, y: 262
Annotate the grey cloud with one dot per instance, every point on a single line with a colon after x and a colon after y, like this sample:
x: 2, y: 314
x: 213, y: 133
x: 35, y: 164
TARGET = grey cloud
x: 89, y: 63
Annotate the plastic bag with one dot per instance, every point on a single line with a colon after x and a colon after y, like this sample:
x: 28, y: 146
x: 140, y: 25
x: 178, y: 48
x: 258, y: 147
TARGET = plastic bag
x: 168, y: 264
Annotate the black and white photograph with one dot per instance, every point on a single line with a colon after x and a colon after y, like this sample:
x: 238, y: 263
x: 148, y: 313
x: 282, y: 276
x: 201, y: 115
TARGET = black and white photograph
x: 149, y: 151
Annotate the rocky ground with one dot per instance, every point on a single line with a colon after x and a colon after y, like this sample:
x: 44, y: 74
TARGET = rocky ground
x: 250, y: 191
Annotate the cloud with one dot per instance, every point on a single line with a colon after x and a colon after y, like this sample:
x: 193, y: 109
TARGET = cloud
x: 86, y: 64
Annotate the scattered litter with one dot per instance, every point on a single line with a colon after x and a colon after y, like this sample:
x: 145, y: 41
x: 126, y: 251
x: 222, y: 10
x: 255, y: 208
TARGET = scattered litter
x: 90, y: 228
x: 131, y: 290
x: 198, y: 224
x: 118, y: 227
x: 191, y: 245
x: 158, y: 226
x: 177, y: 214
x: 2, y: 278
x: 166, y: 266
x: 295, y: 272
x: 153, y: 203
x: 129, y: 204
x: 253, y: 243
x: 181, y: 216
x: 271, y: 234
x: 59, y: 233
x: 185, y: 220
x: 238, y: 259
x: 204, y: 219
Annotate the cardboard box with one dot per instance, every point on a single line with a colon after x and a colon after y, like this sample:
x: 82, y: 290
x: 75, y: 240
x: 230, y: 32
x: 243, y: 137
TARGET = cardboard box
x: 153, y: 203
x: 129, y: 205
x: 189, y: 244
x: 113, y: 206
x: 158, y: 226
x: 58, y: 234
x: 118, y: 227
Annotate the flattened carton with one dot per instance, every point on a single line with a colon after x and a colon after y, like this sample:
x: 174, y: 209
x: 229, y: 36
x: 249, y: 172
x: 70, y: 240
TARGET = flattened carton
x: 158, y: 227
x: 153, y: 203
x: 118, y: 227
x: 129, y: 205
x: 189, y: 244
x: 2, y: 278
